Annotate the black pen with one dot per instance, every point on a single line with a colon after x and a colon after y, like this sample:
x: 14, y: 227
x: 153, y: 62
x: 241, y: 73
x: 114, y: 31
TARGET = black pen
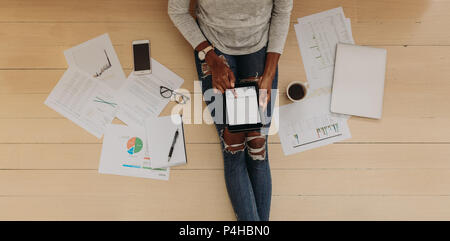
x: 173, y: 144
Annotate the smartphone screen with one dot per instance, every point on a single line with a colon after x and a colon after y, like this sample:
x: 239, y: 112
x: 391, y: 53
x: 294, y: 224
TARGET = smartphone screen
x: 141, y: 54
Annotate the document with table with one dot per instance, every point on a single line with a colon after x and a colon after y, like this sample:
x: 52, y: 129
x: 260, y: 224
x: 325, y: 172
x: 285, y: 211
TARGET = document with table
x: 318, y: 36
x: 140, y: 96
x: 86, y: 101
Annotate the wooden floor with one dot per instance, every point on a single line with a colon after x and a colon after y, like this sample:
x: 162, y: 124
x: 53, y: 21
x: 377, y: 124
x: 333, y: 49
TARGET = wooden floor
x: 395, y: 168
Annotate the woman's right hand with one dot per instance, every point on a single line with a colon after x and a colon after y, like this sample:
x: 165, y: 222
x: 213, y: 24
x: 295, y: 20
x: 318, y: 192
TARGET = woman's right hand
x: 222, y: 76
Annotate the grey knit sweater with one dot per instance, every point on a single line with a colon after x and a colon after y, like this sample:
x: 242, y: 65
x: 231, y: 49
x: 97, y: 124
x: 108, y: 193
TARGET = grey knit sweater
x: 235, y: 27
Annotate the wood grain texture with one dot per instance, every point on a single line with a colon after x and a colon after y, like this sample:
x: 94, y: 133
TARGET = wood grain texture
x: 283, y: 208
x: 205, y: 157
x: 393, y: 169
x: 198, y: 183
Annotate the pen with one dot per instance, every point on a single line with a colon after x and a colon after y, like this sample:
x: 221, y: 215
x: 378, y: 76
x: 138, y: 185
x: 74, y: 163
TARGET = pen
x: 173, y: 144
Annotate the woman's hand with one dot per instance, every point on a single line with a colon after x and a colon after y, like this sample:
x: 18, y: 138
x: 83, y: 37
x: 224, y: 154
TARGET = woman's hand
x: 265, y: 88
x: 265, y: 82
x: 222, y: 76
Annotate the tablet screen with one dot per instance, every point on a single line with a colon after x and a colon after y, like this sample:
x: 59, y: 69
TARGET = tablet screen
x: 242, y: 109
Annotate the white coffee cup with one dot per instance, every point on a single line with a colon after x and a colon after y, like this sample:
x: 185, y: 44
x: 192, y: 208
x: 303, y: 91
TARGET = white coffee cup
x: 296, y: 91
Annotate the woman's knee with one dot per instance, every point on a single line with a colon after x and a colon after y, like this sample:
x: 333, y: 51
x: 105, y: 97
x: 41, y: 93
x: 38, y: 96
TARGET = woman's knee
x: 256, y: 143
x: 233, y: 142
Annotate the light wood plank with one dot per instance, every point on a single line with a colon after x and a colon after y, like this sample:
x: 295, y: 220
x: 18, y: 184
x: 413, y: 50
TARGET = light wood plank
x: 130, y: 207
x: 360, y: 208
x: 183, y: 183
x: 198, y: 183
x: 41, y: 45
x: 421, y: 182
x: 208, y: 156
x: 415, y: 22
x: 44, y: 131
x: 84, y: 11
x: 28, y: 81
x: 209, y: 207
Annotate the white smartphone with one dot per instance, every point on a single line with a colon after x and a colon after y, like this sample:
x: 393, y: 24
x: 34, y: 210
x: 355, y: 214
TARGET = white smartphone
x: 141, y: 56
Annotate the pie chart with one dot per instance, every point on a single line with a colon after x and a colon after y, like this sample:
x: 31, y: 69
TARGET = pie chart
x: 134, y: 145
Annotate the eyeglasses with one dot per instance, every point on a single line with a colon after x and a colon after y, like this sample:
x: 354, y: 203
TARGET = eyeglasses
x: 174, y: 96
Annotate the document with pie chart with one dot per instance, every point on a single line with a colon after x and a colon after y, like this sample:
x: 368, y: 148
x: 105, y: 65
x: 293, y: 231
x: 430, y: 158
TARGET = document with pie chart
x: 125, y: 153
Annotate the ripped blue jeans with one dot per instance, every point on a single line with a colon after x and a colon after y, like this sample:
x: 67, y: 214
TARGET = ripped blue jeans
x: 246, y: 166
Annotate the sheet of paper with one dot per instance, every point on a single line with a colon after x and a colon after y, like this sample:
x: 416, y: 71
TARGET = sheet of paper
x: 317, y: 36
x: 348, y: 22
x: 84, y: 100
x: 310, y: 124
x: 98, y: 58
x: 125, y: 153
x: 140, y: 96
x: 160, y: 135
x: 243, y: 108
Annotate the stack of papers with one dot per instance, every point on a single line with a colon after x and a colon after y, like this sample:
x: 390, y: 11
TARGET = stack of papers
x: 94, y: 90
x: 86, y: 92
x: 310, y: 124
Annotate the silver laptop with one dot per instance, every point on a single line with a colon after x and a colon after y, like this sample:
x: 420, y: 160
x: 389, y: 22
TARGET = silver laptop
x: 358, y: 85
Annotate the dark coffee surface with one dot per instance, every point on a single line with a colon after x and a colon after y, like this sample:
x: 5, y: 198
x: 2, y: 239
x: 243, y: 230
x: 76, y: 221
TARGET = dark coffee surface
x: 296, y: 91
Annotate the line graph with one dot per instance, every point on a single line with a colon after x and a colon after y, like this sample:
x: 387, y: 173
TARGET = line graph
x: 105, y: 67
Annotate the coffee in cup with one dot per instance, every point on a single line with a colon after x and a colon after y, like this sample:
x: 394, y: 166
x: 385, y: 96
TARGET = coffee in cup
x: 296, y: 91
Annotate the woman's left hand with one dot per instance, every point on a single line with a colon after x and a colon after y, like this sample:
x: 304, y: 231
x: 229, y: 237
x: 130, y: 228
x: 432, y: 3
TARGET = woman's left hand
x: 265, y: 88
x: 265, y: 82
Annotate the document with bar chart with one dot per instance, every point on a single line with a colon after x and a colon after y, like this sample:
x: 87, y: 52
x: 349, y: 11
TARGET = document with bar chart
x: 310, y: 124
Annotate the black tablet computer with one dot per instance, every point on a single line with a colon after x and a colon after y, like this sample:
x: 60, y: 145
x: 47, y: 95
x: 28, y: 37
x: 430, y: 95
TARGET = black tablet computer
x: 241, y: 110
